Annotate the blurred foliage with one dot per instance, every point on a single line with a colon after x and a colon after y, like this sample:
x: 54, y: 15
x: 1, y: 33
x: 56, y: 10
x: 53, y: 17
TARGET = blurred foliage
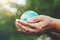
x: 8, y: 30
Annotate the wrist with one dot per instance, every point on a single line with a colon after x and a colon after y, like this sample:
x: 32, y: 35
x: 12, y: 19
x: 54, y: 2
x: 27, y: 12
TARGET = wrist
x: 52, y: 22
x: 55, y: 23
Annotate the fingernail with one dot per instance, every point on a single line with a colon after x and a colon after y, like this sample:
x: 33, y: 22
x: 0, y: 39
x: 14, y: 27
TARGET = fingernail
x: 19, y: 30
x: 16, y: 19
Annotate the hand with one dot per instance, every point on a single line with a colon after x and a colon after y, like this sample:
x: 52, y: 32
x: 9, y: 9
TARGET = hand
x: 38, y: 25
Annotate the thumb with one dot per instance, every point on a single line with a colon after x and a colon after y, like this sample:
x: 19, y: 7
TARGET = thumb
x: 34, y: 19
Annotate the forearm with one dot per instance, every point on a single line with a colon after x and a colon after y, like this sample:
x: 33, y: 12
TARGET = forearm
x: 56, y: 24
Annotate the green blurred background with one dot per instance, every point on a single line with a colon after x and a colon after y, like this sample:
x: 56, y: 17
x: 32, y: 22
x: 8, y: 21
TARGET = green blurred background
x: 13, y: 9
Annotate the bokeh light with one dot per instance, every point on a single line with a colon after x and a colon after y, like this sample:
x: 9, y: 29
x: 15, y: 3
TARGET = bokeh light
x: 6, y: 4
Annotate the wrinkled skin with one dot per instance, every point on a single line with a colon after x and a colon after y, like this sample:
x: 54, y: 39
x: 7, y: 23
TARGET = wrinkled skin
x: 36, y: 25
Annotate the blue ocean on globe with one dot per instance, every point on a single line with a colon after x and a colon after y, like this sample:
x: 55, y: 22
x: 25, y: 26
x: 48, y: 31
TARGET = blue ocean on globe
x: 28, y: 14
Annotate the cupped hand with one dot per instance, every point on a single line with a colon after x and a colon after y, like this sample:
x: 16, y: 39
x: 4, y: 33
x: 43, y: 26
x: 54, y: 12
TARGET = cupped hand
x: 38, y: 25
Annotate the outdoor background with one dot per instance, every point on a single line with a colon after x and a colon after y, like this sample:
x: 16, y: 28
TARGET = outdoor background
x: 13, y: 9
